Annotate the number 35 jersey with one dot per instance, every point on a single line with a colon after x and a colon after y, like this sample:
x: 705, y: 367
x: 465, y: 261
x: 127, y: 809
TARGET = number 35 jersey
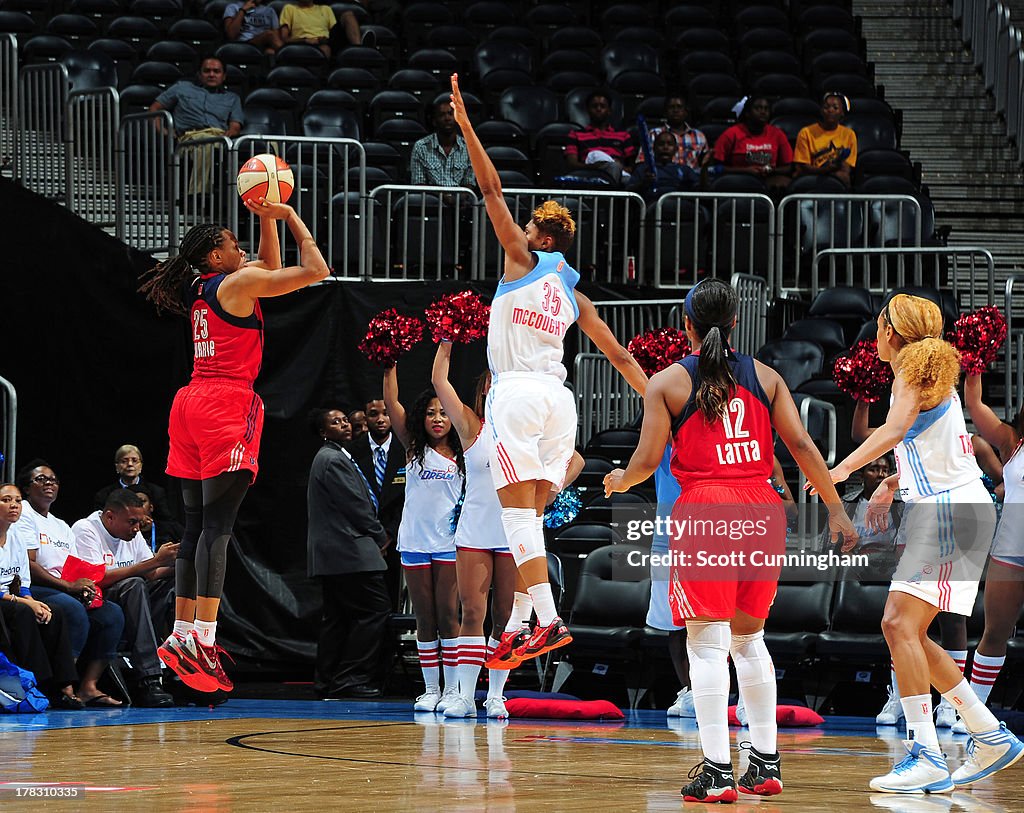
x: 223, y: 345
x: 737, y: 446
x: 530, y: 317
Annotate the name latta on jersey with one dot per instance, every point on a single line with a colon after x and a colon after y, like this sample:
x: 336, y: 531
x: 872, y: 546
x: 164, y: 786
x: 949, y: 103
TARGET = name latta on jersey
x: 740, y: 447
x: 539, y: 321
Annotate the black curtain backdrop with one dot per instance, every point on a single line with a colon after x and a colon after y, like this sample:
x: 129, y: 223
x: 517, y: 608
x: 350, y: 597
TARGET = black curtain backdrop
x: 96, y: 367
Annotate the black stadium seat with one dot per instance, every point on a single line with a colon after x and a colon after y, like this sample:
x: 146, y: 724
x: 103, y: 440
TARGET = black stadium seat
x: 77, y: 29
x: 628, y: 56
x: 791, y: 125
x: 826, y: 333
x: 43, y: 48
x: 800, y: 613
x: 529, y: 108
x: 763, y: 63
x: 301, y: 55
x: 573, y: 544
x: 88, y: 70
x: 182, y: 54
x: 616, y: 445
x: 421, y: 84
x: 774, y: 85
x: 873, y: 132
x: 796, y: 361
x: 694, y: 63
x: 702, y: 39
x: 852, y: 307
x: 500, y: 133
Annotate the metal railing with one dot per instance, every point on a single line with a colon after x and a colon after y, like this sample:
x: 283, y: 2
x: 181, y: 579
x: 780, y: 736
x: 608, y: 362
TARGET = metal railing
x: 421, y: 232
x: 9, y: 102
x: 1013, y: 354
x: 42, y: 97
x: 200, y: 181
x: 91, y: 126
x: 697, y: 234
x: 603, y: 398
x: 808, y: 516
x: 752, y: 313
x: 810, y: 224
x: 627, y: 318
x: 994, y: 39
x: 9, y: 412
x: 609, y: 226
x: 146, y: 216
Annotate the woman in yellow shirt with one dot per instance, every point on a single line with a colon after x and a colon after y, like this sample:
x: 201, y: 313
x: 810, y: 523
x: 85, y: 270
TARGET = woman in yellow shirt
x: 827, y: 148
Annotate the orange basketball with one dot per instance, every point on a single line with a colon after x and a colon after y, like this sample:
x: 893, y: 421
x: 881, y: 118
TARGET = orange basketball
x: 265, y: 176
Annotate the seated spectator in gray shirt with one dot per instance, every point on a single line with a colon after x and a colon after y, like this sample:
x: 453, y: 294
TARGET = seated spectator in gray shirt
x: 251, y: 21
x: 205, y: 108
x: 441, y: 159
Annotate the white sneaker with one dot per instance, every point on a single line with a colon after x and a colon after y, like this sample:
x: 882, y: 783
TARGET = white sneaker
x: 945, y: 715
x: 960, y: 727
x: 683, y: 707
x: 741, y: 711
x: 460, y: 707
x: 988, y: 752
x: 495, y: 708
x: 428, y: 700
x: 892, y: 711
x: 448, y: 697
x: 921, y: 771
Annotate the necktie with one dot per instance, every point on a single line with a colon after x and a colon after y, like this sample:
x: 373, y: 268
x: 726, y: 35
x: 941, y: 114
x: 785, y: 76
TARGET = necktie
x: 373, y: 497
x: 380, y: 463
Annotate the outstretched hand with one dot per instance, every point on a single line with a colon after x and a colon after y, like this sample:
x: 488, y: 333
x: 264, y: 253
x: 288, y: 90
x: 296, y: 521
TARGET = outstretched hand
x: 261, y: 207
x: 458, y: 105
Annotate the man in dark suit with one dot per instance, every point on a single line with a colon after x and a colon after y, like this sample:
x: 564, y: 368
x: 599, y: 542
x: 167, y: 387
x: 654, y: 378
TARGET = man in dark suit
x: 344, y: 546
x: 381, y: 457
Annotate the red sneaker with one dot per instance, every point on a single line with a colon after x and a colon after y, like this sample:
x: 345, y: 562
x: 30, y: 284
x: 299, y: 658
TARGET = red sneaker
x: 544, y: 639
x: 180, y: 653
x: 210, y: 657
x: 504, y: 655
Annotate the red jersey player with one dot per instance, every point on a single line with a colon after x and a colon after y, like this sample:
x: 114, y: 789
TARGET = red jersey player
x: 217, y: 418
x: 719, y: 408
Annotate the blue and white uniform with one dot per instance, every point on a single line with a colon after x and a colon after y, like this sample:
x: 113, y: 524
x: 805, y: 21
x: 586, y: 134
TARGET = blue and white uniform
x: 432, y: 489
x: 480, y: 525
x: 667, y: 489
x: 1008, y: 546
x: 948, y: 517
x: 531, y: 415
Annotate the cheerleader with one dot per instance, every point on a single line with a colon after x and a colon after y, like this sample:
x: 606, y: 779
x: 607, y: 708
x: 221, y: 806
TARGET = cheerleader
x: 947, y: 526
x: 426, y: 541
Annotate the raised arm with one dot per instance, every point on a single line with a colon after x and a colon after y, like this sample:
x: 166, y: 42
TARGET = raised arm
x: 394, y: 406
x: 600, y: 334
x: 654, y: 432
x: 518, y: 260
x: 463, y: 419
x: 906, y: 405
x: 999, y: 434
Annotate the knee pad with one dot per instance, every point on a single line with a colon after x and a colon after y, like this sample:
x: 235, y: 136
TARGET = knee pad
x: 707, y: 635
x: 524, y: 539
x: 739, y: 641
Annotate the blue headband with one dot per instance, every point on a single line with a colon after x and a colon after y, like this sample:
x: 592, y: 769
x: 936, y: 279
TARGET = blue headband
x: 688, y: 303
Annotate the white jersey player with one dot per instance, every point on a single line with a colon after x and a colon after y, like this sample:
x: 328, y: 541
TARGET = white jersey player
x: 947, y: 528
x: 530, y: 413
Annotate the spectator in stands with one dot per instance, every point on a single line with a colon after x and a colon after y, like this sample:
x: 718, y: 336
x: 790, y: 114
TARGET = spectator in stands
x: 600, y: 144
x: 153, y: 533
x: 204, y: 108
x: 381, y: 456
x: 128, y: 467
x: 253, y: 22
x: 755, y: 147
x: 37, y: 639
x: 441, y: 158
x: 93, y: 633
x: 357, y: 420
x: 691, y: 144
x: 827, y: 148
x: 111, y: 537
x: 345, y: 542
x: 857, y: 501
x: 666, y: 175
x: 314, y: 24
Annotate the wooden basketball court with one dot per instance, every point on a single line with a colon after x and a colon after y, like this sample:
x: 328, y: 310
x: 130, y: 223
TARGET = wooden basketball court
x: 290, y: 756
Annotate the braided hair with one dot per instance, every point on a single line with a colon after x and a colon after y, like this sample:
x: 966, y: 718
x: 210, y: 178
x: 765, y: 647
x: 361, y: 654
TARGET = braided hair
x: 163, y: 284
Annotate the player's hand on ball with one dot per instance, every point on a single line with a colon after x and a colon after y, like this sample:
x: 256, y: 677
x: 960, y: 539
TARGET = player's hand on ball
x: 613, y: 482
x: 840, y: 523
x: 262, y: 208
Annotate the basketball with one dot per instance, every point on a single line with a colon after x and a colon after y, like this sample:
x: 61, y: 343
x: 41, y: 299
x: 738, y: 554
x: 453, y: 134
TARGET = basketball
x: 265, y: 176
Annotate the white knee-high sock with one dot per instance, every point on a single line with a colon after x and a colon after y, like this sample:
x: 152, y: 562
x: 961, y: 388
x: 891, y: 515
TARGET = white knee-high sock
x: 972, y: 711
x: 755, y: 674
x: 920, y: 725
x: 430, y: 663
x: 707, y: 643
x: 450, y: 662
x: 984, y: 673
x: 522, y: 609
x: 543, y: 603
x: 495, y: 677
x: 472, y: 652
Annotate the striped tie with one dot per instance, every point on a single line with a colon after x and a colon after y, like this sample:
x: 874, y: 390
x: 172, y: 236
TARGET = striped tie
x: 373, y: 497
x: 380, y: 462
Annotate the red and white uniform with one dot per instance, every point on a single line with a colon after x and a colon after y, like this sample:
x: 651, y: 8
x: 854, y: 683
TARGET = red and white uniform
x: 480, y: 525
x: 217, y: 419
x: 1008, y: 546
x: 728, y: 522
x: 432, y: 489
x: 530, y: 413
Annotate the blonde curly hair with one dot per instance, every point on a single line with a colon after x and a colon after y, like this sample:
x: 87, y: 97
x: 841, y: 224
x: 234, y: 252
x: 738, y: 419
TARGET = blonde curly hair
x: 926, y: 362
x: 555, y: 221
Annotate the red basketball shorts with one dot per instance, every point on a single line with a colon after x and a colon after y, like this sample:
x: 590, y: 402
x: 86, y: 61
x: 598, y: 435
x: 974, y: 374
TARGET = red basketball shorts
x: 215, y: 426
x: 725, y: 541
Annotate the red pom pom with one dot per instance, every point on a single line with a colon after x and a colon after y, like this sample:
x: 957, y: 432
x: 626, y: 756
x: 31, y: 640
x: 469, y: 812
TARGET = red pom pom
x: 389, y: 335
x: 656, y: 349
x: 460, y: 317
x: 861, y: 374
x: 978, y: 336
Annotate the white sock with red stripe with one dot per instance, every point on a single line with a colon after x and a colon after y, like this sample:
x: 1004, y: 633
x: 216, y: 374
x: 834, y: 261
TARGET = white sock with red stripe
x: 472, y: 653
x: 959, y: 657
x: 984, y: 672
x: 522, y: 609
x: 430, y: 663
x: 183, y: 627
x: 972, y: 711
x: 920, y: 725
x: 450, y: 662
x: 495, y: 677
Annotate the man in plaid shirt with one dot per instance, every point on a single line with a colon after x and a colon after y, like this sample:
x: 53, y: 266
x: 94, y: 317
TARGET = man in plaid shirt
x: 441, y: 159
x: 692, y: 144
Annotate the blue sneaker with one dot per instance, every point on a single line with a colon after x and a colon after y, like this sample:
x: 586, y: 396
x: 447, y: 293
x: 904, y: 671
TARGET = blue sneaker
x: 988, y: 752
x: 922, y: 770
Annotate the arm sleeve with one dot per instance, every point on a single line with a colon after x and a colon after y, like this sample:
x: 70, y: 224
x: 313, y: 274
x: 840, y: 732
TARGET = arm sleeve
x: 330, y: 18
x: 140, y: 550
x: 236, y: 113
x: 286, y: 15
x: 802, y: 153
x: 169, y: 98
x: 231, y: 10
x: 852, y: 144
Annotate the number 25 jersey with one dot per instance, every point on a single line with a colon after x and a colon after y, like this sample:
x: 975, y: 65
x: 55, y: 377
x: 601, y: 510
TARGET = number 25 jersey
x: 530, y: 317
x: 223, y: 345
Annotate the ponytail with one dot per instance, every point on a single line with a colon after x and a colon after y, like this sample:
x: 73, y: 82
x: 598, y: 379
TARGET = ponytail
x: 163, y: 283
x: 717, y: 383
x: 931, y: 366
